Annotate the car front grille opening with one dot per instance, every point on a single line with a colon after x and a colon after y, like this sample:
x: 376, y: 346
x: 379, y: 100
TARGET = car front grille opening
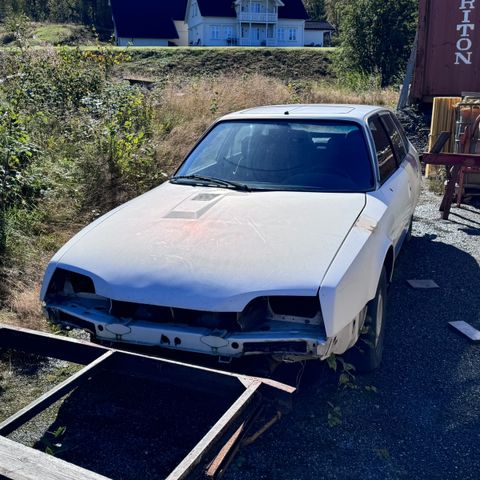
x: 307, y: 307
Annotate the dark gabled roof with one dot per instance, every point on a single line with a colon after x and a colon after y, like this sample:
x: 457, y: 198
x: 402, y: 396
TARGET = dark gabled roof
x: 217, y: 8
x: 314, y: 25
x: 293, y: 9
x: 147, y: 18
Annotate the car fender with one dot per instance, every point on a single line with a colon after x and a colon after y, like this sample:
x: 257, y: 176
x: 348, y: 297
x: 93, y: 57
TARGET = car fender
x: 352, y: 278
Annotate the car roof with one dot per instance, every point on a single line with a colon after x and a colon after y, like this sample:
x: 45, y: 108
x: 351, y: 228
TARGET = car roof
x: 306, y: 111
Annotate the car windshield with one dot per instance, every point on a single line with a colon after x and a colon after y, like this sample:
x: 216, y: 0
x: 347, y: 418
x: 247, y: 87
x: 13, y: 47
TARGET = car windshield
x: 327, y: 156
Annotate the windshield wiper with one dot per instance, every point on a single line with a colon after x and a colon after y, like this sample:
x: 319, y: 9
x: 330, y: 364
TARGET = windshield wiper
x: 219, y: 182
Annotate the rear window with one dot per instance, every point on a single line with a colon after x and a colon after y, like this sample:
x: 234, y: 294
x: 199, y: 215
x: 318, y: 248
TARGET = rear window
x: 285, y: 155
x: 394, y: 135
x: 385, y: 156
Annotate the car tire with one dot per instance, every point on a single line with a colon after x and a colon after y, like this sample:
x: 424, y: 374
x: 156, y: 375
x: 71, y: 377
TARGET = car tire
x: 367, y: 353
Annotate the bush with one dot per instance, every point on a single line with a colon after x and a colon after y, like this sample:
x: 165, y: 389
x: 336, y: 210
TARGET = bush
x: 18, y: 186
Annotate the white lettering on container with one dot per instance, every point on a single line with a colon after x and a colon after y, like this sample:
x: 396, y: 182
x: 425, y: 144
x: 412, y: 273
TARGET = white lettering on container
x: 464, y: 43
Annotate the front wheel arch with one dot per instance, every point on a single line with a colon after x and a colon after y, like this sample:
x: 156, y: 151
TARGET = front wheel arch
x: 389, y: 264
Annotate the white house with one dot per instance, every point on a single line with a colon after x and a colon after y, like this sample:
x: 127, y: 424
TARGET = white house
x: 274, y: 23
x: 317, y: 34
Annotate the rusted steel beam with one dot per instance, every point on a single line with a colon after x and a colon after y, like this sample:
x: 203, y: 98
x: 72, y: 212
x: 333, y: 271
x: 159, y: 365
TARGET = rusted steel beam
x: 451, y: 159
x: 220, y: 463
x: 47, y: 399
x: 454, y: 162
x: 229, y: 448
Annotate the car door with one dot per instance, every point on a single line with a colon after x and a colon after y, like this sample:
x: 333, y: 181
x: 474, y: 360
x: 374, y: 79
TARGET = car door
x: 406, y: 162
x: 395, y: 190
x: 411, y: 163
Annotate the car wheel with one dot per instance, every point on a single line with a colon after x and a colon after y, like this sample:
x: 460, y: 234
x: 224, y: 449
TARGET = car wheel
x: 366, y: 355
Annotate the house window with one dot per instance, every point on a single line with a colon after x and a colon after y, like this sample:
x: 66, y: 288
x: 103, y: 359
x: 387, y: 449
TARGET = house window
x: 281, y: 34
x: 228, y: 32
x: 215, y: 31
x: 256, y: 7
x: 292, y: 34
x: 245, y: 32
x: 194, y: 10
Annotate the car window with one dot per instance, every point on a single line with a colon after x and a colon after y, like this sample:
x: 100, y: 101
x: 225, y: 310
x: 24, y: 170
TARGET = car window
x: 285, y: 154
x: 394, y: 135
x: 385, y: 157
x: 402, y: 131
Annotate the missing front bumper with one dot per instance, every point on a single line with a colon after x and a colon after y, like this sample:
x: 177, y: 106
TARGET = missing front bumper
x: 282, y: 339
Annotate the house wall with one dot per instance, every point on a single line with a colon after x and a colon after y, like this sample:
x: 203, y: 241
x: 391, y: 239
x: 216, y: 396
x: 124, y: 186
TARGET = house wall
x: 314, y: 36
x: 284, y: 40
x: 224, y: 31
x: 213, y: 31
x: 142, y: 42
x: 182, y: 30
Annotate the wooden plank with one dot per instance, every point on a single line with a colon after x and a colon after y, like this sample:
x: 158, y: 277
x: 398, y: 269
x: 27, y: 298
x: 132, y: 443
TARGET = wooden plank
x: 49, y: 345
x: 466, y: 329
x: 18, y: 462
x: 132, y: 363
x: 407, y: 81
x: 50, y: 397
x: 185, y: 467
x: 440, y: 142
x: 417, y: 284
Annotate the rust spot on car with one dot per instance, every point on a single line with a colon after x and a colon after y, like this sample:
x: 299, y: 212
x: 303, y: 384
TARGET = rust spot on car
x: 366, y: 223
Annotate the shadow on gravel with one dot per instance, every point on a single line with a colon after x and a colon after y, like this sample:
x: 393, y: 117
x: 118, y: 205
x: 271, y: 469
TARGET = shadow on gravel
x: 424, y: 422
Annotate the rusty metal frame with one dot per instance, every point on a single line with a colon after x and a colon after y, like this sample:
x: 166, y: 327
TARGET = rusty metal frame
x: 454, y: 162
x: 96, y: 358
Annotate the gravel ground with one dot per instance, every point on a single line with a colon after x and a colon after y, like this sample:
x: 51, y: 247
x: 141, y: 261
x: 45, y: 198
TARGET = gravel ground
x: 424, y: 421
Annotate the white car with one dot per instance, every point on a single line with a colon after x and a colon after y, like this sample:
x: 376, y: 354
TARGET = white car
x: 276, y: 236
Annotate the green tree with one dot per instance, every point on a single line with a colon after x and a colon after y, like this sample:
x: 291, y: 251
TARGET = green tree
x: 315, y: 9
x: 376, y: 37
x: 333, y: 11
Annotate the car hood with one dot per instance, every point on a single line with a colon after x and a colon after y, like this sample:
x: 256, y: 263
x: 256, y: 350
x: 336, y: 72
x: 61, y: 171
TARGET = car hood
x: 209, y: 248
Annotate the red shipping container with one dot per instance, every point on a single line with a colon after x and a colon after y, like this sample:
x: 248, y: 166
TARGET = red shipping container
x: 448, y: 53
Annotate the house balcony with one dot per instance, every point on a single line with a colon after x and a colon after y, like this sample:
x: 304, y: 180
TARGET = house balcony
x: 258, y: 17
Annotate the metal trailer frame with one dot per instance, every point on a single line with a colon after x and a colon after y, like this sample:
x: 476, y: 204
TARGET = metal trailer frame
x: 18, y: 462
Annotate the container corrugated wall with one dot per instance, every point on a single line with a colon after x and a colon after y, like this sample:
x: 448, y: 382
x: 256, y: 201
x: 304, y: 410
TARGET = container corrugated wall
x: 448, y: 57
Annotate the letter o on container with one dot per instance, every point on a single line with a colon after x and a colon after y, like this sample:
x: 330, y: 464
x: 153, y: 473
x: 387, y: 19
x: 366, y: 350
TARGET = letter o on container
x: 466, y: 42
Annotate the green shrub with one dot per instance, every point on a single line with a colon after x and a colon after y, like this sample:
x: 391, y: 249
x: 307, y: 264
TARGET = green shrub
x: 18, y: 185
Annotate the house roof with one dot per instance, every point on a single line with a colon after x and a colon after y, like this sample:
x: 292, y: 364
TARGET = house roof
x: 313, y: 25
x: 293, y: 9
x: 217, y: 8
x: 147, y: 18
